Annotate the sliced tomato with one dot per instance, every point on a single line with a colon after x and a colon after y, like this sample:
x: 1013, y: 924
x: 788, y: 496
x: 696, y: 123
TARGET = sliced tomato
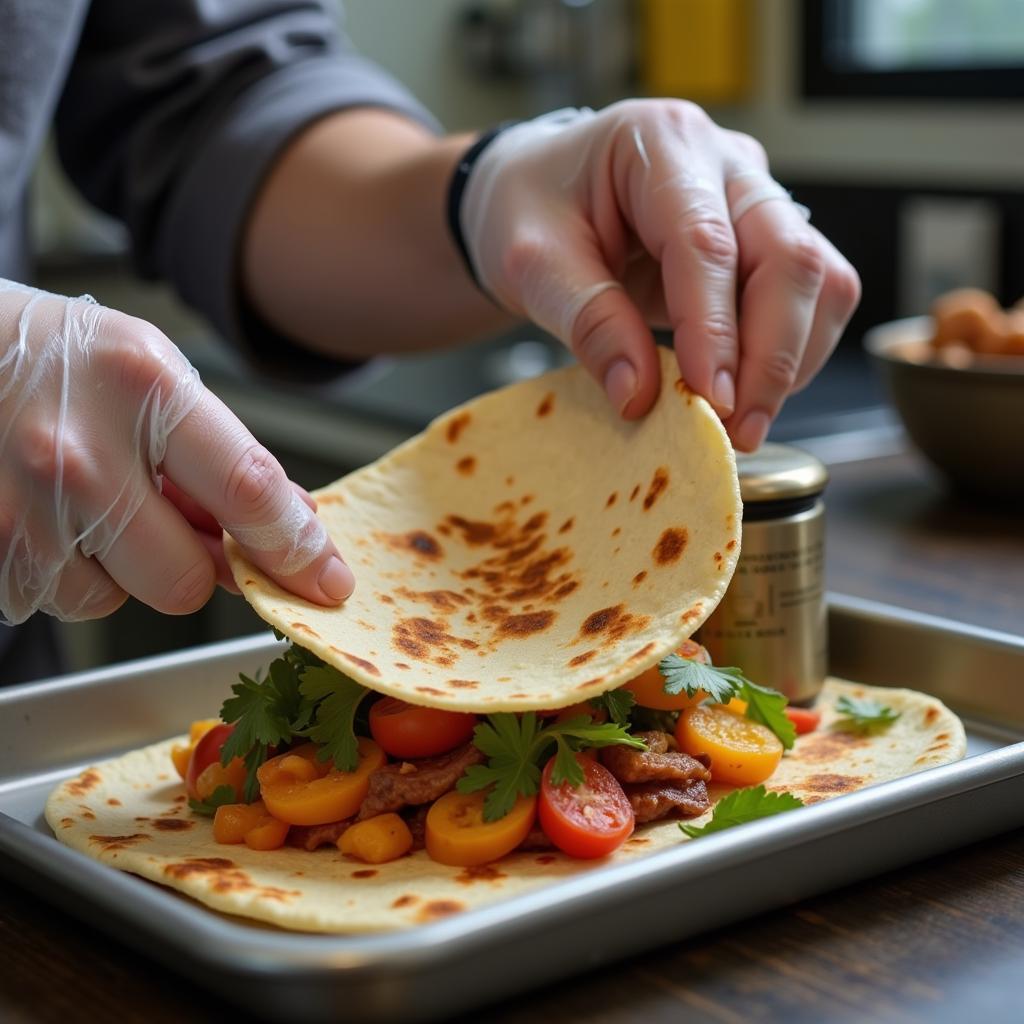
x: 587, y: 821
x: 405, y: 730
x: 206, y: 754
x: 742, y: 752
x: 649, y: 686
x: 804, y: 719
x: 181, y: 753
x: 457, y: 834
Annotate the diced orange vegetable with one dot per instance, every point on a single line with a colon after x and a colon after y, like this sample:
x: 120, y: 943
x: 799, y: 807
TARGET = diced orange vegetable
x: 330, y: 795
x: 181, y: 752
x: 215, y: 775
x: 270, y: 834
x: 377, y: 840
x: 649, y: 686
x: 457, y: 834
x: 232, y: 821
x: 742, y: 752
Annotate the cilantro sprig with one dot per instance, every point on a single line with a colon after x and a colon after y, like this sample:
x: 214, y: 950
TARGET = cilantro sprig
x: 864, y: 715
x: 743, y: 805
x: 517, y: 748
x: 764, y: 705
x: 220, y: 796
x: 617, y: 703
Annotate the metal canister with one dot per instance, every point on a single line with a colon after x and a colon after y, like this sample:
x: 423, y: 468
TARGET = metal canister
x: 771, y: 622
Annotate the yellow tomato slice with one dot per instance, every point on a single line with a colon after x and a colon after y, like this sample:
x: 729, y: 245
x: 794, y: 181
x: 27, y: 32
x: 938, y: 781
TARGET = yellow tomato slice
x: 269, y: 834
x: 377, y: 840
x: 649, y: 686
x: 215, y: 775
x: 458, y: 835
x: 232, y: 821
x: 742, y: 752
x: 293, y: 795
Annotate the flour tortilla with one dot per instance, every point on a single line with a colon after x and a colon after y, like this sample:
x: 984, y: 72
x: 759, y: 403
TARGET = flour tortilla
x: 131, y: 813
x: 528, y: 550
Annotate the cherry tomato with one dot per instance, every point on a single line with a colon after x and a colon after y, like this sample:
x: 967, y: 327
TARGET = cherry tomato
x: 205, y: 754
x: 181, y: 753
x: 589, y: 820
x: 804, y: 719
x: 742, y: 752
x: 649, y: 686
x: 457, y: 834
x: 405, y: 730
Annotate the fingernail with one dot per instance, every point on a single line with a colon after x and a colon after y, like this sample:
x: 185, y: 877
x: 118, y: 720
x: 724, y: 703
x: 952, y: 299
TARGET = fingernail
x: 620, y: 384
x: 723, y: 392
x: 336, y: 579
x: 752, y: 431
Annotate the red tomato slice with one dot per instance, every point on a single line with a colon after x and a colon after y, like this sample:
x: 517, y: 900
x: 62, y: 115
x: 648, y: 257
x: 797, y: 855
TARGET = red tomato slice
x: 589, y: 820
x: 205, y: 753
x: 804, y: 719
x: 405, y: 730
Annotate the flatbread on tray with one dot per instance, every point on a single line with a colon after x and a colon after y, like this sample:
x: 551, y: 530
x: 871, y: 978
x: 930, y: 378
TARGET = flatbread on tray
x: 132, y: 814
x: 528, y: 550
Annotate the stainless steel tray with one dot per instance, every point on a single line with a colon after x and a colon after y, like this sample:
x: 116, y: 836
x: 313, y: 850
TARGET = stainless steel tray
x: 52, y: 729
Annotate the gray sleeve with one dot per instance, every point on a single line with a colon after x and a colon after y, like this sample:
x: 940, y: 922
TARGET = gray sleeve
x: 173, y: 114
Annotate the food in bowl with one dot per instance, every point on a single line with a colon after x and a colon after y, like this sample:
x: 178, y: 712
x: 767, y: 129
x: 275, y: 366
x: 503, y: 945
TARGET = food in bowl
x: 969, y: 321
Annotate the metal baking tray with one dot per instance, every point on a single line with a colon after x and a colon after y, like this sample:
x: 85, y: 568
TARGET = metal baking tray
x: 52, y: 729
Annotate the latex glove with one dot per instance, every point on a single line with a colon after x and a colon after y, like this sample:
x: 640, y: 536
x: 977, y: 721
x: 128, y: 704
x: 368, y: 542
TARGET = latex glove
x: 94, y: 406
x: 599, y: 225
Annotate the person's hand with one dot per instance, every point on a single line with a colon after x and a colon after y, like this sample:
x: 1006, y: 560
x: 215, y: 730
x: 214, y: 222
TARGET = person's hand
x: 118, y: 470
x: 598, y: 226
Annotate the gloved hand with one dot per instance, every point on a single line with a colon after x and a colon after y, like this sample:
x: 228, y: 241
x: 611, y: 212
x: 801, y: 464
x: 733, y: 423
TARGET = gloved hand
x: 596, y: 225
x: 94, y: 407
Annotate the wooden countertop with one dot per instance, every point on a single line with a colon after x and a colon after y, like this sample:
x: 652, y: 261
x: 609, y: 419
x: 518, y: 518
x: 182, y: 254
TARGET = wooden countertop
x: 939, y: 941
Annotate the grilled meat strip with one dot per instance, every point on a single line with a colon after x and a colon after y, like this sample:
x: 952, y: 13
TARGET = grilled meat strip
x: 652, y: 801
x: 416, y: 782
x: 660, y: 762
x: 311, y: 837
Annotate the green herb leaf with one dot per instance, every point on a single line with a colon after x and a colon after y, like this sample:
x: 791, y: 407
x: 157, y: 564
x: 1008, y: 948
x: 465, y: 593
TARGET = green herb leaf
x: 618, y: 704
x: 720, y: 684
x: 220, y: 796
x: 260, y: 716
x: 517, y: 748
x: 864, y: 715
x: 337, y: 698
x: 769, y: 708
x: 743, y: 805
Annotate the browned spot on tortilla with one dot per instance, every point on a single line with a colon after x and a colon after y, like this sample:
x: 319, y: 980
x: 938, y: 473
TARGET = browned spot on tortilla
x: 930, y: 715
x: 224, y: 876
x: 366, y: 666
x: 518, y: 626
x: 118, y: 842
x: 535, y: 522
x: 88, y: 815
x: 402, y: 665
x: 680, y: 386
x: 829, y: 745
x: 473, y: 532
x: 368, y: 626
x: 612, y: 498
x: 463, y: 684
x: 436, y: 909
x: 567, y: 525
x: 456, y: 425
x: 566, y: 588
x: 114, y: 802
x: 504, y: 679
x: 85, y: 782
x: 480, y: 873
x: 422, y: 638
x: 546, y: 405
x: 330, y: 499
x: 404, y: 901
x: 432, y: 691
x: 670, y: 546
x: 385, y: 599
x: 250, y: 583
x: 66, y: 822
x: 638, y: 841
x: 172, y: 824
x: 441, y: 600
x: 364, y: 873
x: 419, y: 542
x: 639, y: 577
x: 612, y: 624
x: 180, y: 798
x: 526, y: 499
x: 301, y: 627
x: 546, y: 858
x: 692, y: 613
x: 642, y: 653
x: 730, y: 546
x: 718, y: 558
x: 581, y: 659
x: 596, y: 681
x: 729, y: 520
x: 616, y: 532
x: 658, y: 484
x: 466, y: 465
x: 831, y: 783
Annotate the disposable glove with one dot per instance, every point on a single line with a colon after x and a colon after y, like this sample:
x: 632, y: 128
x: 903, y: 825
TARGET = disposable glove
x: 598, y: 226
x: 118, y: 469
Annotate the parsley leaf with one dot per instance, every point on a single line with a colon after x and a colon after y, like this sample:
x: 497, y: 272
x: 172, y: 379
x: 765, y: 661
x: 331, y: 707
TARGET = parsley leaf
x: 743, y: 805
x: 220, y: 796
x: 864, y: 715
x: 618, y: 704
x: 517, y: 747
x: 260, y: 713
x: 769, y: 708
x: 337, y: 699
x: 720, y: 684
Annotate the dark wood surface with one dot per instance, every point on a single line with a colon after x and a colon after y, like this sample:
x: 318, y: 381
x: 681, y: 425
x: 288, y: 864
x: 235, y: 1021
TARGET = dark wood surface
x: 940, y: 941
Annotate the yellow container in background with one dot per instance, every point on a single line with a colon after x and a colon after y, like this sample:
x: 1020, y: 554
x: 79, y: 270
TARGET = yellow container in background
x: 697, y: 49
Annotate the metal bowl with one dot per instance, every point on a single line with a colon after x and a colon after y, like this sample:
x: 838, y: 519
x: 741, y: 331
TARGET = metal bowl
x: 966, y: 414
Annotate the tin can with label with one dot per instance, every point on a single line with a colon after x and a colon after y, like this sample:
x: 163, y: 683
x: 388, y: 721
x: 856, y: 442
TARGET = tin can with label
x: 771, y: 622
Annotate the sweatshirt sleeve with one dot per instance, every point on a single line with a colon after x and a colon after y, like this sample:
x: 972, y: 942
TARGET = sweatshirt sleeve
x: 173, y: 114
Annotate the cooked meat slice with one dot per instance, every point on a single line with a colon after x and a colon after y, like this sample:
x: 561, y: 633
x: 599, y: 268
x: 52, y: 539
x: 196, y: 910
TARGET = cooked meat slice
x: 311, y: 837
x: 652, y: 801
x: 661, y: 762
x: 536, y: 841
x: 395, y: 785
x: 416, y: 819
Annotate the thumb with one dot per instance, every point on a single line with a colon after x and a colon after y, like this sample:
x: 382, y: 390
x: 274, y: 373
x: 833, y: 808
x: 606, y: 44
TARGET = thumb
x: 576, y: 297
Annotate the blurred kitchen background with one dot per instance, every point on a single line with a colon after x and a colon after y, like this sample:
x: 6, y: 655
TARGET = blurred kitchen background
x: 898, y: 122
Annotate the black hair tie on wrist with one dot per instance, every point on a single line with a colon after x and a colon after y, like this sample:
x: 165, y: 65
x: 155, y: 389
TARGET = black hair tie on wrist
x: 457, y: 185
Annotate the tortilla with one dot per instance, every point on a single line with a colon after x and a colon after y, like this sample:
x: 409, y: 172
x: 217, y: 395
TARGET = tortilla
x: 132, y: 814
x: 528, y: 550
